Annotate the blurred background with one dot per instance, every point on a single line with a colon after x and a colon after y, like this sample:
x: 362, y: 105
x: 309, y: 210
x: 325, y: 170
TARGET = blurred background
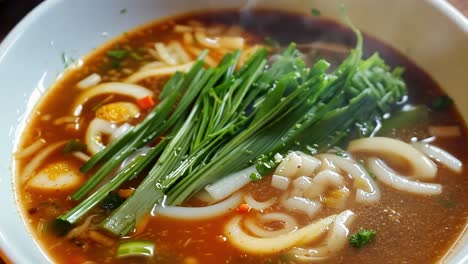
x: 12, y: 11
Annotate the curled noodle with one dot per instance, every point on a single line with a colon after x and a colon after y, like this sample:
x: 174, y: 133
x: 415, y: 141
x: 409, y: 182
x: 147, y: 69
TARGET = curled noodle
x: 367, y: 189
x: 335, y: 241
x: 258, y: 228
x: 257, y: 246
x: 388, y: 176
x: 200, y: 213
x: 259, y: 205
x: 395, y: 150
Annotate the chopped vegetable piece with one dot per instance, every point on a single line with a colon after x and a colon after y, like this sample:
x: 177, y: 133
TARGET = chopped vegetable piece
x: 255, y: 176
x: 265, y: 165
x: 315, y: 12
x: 125, y: 193
x: 117, y: 54
x: 123, y: 11
x: 146, y: 102
x: 403, y: 119
x: 136, y: 248
x: 441, y: 103
x: 74, y: 145
x: 243, y: 208
x: 67, y: 60
x: 112, y: 201
x: 221, y: 115
x: 362, y: 238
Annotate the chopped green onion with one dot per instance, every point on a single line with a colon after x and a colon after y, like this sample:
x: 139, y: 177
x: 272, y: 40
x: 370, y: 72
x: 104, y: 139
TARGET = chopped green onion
x: 255, y: 176
x: 67, y: 60
x: 73, y: 145
x: 265, y: 165
x: 315, y: 12
x: 221, y: 120
x: 441, y: 103
x: 136, y: 248
x: 123, y: 11
x: 117, y: 54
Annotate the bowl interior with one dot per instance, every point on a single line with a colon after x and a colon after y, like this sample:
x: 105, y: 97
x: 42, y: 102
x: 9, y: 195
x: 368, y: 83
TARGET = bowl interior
x: 431, y: 33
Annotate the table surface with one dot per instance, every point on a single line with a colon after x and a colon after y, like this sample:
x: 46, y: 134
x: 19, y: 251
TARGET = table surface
x: 12, y: 11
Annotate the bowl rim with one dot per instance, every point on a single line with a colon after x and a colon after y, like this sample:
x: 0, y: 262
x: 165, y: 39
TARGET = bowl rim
x: 8, y: 251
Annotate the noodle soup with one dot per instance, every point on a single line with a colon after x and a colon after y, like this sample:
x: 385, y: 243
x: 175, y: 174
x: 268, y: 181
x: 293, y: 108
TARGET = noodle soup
x: 389, y: 181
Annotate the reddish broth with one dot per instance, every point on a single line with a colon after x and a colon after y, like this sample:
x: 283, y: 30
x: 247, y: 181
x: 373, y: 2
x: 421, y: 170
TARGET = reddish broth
x: 410, y: 229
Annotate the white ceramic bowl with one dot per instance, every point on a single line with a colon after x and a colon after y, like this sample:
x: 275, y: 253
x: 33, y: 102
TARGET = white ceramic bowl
x: 432, y: 33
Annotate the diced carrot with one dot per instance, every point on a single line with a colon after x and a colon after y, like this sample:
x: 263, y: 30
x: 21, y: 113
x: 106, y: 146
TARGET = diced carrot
x: 125, y: 193
x: 146, y: 102
x: 243, y: 208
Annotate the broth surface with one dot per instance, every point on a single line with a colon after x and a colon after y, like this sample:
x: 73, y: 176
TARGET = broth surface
x: 410, y: 229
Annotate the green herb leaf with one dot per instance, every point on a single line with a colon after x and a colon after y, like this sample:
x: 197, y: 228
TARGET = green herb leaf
x: 265, y: 165
x: 315, y: 12
x: 123, y: 11
x: 441, y: 103
x: 212, y: 116
x: 117, y: 54
x: 67, y: 60
x: 255, y: 176
x: 73, y: 145
x: 362, y: 238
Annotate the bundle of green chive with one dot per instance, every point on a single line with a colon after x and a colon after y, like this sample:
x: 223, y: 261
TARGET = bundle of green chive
x: 227, y: 119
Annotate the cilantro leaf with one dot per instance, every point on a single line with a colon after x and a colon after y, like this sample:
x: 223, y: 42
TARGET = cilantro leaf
x: 362, y: 238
